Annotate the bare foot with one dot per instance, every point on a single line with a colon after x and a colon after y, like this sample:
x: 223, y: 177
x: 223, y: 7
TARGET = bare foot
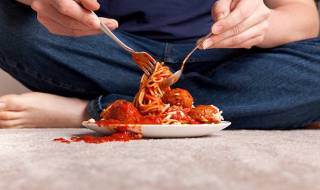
x: 41, y: 110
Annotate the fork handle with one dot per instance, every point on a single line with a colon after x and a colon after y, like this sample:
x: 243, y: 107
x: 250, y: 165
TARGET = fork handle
x: 188, y: 56
x: 108, y: 32
x: 193, y: 50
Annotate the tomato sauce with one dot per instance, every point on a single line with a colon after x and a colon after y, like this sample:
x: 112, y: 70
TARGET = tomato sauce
x: 121, y: 135
x: 124, y: 136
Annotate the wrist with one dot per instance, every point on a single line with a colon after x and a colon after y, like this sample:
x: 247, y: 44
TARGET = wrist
x: 283, y: 29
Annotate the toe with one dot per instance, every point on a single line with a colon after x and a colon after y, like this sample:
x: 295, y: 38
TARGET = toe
x: 10, y: 103
x: 10, y: 123
x: 9, y: 115
x: 2, y: 106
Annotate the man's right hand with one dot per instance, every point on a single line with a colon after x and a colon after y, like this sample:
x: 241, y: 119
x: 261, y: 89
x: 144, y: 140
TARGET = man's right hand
x: 68, y: 18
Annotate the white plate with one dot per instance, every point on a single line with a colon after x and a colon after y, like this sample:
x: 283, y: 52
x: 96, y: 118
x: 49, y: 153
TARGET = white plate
x: 166, y: 131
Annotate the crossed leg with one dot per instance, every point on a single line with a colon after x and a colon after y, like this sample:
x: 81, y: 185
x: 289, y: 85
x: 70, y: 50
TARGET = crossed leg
x: 265, y: 89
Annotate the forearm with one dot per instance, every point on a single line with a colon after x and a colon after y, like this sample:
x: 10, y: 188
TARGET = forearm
x: 27, y: 2
x: 291, y: 22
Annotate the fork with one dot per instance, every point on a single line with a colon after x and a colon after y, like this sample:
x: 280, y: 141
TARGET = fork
x: 176, y: 76
x: 144, y: 60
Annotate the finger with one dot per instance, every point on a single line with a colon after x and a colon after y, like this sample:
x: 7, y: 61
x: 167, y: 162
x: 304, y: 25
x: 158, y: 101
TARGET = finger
x: 242, y: 11
x: 200, y: 42
x: 92, y: 5
x: 9, y: 115
x: 220, y: 9
x: 47, y: 10
x: 233, y: 41
x: 234, y: 3
x: 58, y: 29
x: 245, y: 25
x: 110, y: 23
x: 252, y: 42
x: 75, y: 11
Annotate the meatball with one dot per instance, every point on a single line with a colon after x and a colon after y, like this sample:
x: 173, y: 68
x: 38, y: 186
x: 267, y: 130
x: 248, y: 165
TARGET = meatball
x: 206, y: 114
x: 178, y: 97
x: 123, y: 111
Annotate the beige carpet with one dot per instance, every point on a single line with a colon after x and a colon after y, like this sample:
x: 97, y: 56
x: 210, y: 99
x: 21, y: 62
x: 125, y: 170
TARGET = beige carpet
x: 8, y: 85
x: 30, y: 160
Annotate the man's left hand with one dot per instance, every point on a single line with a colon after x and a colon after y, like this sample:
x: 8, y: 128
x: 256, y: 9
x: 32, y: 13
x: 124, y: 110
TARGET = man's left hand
x: 239, y: 24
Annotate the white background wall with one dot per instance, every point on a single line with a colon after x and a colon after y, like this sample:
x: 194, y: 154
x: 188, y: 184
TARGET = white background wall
x: 9, y: 86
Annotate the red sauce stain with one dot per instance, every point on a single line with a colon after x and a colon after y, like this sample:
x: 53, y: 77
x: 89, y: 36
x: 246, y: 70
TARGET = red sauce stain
x: 62, y: 140
x: 124, y: 136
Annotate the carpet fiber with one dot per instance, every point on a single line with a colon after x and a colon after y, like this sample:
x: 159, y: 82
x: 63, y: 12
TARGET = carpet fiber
x: 30, y: 160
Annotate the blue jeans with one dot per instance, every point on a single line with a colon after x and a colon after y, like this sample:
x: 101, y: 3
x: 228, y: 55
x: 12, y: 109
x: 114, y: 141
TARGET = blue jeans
x: 275, y: 88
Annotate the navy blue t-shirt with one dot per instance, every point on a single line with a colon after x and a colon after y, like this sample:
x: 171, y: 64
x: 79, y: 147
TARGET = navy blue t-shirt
x: 164, y: 20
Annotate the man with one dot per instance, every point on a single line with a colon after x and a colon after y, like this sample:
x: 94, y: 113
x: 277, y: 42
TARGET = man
x: 261, y: 66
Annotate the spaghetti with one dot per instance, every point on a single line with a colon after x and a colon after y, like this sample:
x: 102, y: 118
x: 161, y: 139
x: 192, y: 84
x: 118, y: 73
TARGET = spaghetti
x: 155, y: 105
x: 148, y: 100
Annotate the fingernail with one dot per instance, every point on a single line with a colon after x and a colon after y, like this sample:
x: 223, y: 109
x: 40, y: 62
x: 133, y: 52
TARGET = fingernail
x: 200, y: 42
x: 112, y: 25
x: 221, y: 16
x: 206, y: 44
x: 2, y: 105
x: 217, y: 29
x: 115, y: 23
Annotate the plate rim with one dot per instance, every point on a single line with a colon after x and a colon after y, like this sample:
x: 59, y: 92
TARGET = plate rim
x: 162, y: 131
x: 228, y: 123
